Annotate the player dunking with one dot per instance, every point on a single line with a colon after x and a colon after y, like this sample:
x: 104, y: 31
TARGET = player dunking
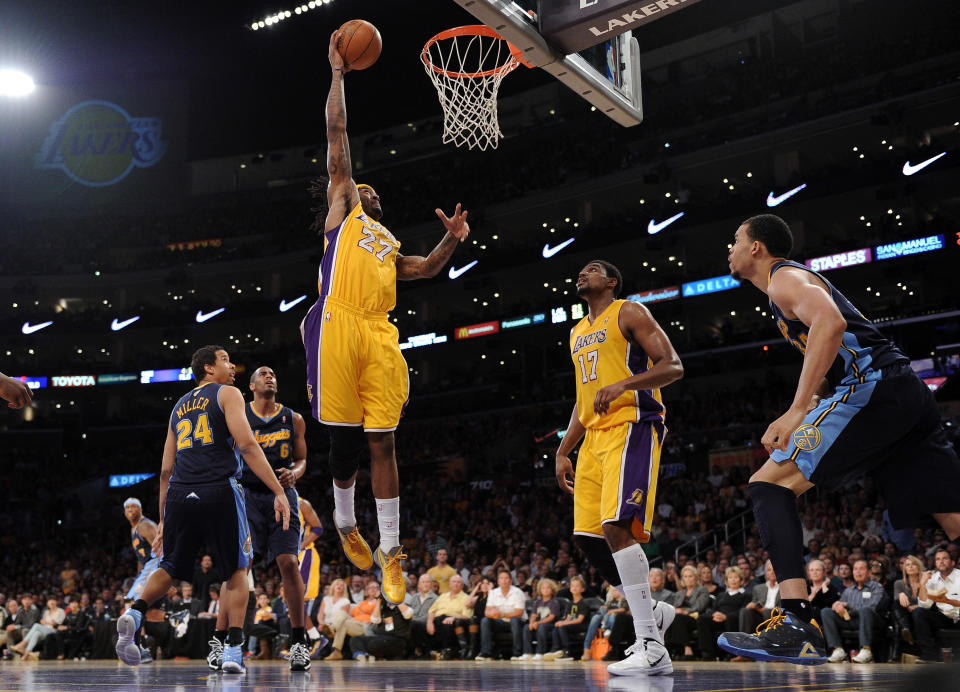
x: 280, y: 433
x: 357, y: 380
x: 858, y: 409
x: 621, y: 357
x: 201, y: 502
x: 143, y: 531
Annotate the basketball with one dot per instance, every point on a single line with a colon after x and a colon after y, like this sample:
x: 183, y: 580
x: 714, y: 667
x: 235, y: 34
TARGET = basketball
x: 359, y: 45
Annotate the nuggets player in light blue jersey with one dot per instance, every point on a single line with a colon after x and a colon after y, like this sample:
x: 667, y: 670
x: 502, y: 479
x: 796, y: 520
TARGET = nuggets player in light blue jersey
x: 859, y: 409
x: 143, y: 531
x: 357, y: 380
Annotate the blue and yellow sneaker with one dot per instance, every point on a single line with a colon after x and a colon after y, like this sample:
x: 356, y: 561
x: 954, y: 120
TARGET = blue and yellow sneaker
x: 233, y: 659
x: 784, y: 637
x: 128, y: 625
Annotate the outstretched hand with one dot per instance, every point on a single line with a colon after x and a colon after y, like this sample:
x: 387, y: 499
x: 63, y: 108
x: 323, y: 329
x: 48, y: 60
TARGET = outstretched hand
x: 457, y: 224
x: 336, y: 60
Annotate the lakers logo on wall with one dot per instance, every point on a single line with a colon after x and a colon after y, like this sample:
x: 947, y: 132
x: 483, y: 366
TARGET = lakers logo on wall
x: 806, y: 438
x: 97, y: 143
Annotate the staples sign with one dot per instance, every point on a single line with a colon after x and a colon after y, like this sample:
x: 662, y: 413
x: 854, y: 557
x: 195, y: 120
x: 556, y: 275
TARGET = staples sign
x: 840, y: 260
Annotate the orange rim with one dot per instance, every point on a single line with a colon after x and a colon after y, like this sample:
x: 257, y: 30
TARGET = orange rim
x: 473, y: 30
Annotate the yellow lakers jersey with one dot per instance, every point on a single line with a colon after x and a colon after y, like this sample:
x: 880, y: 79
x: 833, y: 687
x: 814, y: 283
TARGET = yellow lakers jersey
x: 602, y: 356
x: 359, y: 264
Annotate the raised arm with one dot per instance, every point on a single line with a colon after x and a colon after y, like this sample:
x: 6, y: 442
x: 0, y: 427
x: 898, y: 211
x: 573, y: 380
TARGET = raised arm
x: 342, y: 195
x: 416, y: 267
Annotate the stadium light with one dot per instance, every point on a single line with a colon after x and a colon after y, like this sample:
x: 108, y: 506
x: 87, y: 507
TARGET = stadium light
x: 15, y: 83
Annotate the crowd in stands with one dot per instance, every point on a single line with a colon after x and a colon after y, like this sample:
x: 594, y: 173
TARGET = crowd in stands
x: 493, y: 572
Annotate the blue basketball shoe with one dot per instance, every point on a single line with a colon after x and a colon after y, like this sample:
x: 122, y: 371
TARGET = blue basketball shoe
x: 233, y: 659
x: 784, y: 637
x: 127, y: 627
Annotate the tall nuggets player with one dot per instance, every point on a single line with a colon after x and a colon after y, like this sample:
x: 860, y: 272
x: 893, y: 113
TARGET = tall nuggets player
x: 279, y: 431
x: 621, y: 358
x: 201, y: 503
x: 858, y: 409
x: 356, y: 377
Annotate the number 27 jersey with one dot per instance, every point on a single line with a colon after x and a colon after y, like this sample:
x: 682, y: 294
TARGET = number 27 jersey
x: 602, y: 356
x: 359, y: 265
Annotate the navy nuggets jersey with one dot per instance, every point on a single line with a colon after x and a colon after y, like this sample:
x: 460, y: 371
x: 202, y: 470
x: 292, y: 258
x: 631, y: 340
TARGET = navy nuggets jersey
x: 274, y: 433
x: 141, y: 547
x: 205, y: 449
x: 864, y: 351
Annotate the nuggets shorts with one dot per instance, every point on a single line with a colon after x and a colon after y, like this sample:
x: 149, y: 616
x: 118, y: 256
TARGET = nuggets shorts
x: 356, y: 374
x: 616, y: 478
x: 212, y: 515
x: 890, y: 429
x: 269, y: 538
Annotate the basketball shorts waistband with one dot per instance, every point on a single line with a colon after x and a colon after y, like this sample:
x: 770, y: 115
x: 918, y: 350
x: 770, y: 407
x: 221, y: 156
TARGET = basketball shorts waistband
x: 363, y: 313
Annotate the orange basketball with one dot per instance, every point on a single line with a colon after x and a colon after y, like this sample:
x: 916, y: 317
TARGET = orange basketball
x: 359, y: 44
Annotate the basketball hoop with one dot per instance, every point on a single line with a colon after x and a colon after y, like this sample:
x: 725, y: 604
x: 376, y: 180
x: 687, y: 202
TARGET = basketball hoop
x: 466, y: 65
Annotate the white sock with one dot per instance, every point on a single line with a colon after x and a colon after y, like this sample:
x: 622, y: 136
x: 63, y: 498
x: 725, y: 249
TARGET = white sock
x: 343, y: 506
x: 313, y: 633
x: 635, y: 572
x: 388, y: 516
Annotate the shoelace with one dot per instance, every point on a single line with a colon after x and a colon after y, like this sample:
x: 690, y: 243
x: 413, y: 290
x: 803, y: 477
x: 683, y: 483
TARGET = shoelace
x: 635, y: 648
x: 354, y: 537
x: 216, y: 648
x: 299, y: 653
x: 395, y: 558
x: 777, y: 618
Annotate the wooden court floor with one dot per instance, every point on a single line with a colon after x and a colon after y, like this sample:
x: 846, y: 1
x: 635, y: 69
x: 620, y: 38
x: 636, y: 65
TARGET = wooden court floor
x: 456, y: 676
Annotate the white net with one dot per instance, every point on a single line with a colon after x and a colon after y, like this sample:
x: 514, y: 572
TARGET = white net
x: 466, y: 66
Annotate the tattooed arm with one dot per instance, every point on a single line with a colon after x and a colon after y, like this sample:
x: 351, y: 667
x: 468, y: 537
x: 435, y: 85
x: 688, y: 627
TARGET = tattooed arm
x: 342, y: 195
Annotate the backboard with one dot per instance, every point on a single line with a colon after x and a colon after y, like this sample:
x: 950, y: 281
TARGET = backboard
x: 588, y: 45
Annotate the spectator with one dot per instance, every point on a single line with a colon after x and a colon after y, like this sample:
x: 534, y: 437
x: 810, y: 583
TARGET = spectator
x: 822, y: 594
x: 264, y: 628
x: 856, y: 610
x: 203, y: 578
x: 603, y: 619
x: 845, y: 577
x: 442, y: 571
x: 690, y: 603
x: 53, y: 616
x: 74, y: 633
x: 671, y: 576
x: 906, y: 592
x: 353, y: 624
x: 213, y: 604
x: 575, y: 621
x: 98, y: 612
x: 706, y: 578
x: 504, y: 612
x: 187, y: 601
x: 390, y: 632
x: 943, y: 588
x: 546, y: 611
x: 747, y: 571
x: 335, y: 601
x: 449, y: 619
x: 12, y: 624
x: 434, y: 543
x: 68, y: 578
x: 357, y: 589
x: 658, y: 589
x: 765, y: 598
x: 421, y: 602
x: 723, y: 616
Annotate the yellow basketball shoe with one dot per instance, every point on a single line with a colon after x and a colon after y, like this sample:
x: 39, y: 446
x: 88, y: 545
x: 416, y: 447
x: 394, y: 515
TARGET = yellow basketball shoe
x: 354, y: 547
x: 393, y: 588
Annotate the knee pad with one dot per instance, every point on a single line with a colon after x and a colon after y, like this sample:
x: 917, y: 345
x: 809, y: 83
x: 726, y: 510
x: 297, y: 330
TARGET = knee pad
x: 346, y: 444
x: 599, y: 555
x: 781, y: 533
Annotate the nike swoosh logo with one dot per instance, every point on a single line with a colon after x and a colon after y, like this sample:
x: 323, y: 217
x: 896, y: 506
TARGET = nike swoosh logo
x: 457, y: 273
x: 117, y: 326
x: 31, y: 328
x: 773, y: 200
x: 549, y: 252
x: 653, y: 227
x: 284, y: 305
x: 910, y: 170
x: 204, y: 317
